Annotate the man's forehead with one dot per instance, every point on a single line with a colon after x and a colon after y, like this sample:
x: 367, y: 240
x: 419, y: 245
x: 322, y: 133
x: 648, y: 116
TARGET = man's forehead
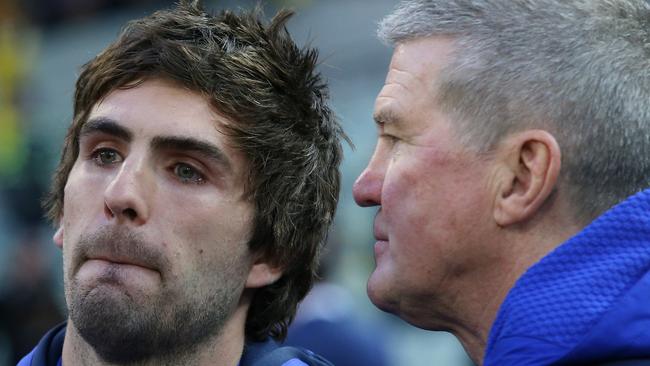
x: 166, y: 115
x: 158, y: 106
x: 411, y: 77
x: 423, y: 57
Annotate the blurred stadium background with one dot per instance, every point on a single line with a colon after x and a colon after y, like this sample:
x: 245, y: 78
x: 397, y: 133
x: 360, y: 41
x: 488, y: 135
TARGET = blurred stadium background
x: 43, y: 43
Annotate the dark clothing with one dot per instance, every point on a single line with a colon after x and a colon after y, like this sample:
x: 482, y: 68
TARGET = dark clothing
x: 27, y: 310
x: 328, y: 323
x: 49, y: 349
x: 585, y: 303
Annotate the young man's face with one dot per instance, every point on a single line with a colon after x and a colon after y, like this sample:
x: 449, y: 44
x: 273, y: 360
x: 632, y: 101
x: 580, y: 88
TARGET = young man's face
x: 155, y: 225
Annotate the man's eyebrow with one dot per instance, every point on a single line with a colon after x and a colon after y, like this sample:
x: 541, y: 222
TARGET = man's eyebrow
x: 386, y: 115
x: 108, y: 126
x: 190, y: 144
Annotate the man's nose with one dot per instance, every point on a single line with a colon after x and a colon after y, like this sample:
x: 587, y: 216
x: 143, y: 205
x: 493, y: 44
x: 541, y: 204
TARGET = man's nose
x: 126, y: 196
x: 367, y: 188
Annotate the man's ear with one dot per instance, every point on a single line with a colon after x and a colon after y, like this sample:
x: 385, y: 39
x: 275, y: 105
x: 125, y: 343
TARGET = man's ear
x: 58, y: 235
x: 529, y: 172
x: 263, y: 273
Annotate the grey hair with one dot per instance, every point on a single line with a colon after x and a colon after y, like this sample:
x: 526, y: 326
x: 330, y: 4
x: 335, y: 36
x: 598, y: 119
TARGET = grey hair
x: 578, y: 69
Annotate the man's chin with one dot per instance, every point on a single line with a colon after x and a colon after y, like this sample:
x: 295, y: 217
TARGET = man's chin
x: 379, y: 293
x: 107, y: 318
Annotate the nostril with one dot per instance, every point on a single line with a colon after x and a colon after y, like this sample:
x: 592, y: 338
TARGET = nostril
x: 130, y: 213
x: 107, y: 211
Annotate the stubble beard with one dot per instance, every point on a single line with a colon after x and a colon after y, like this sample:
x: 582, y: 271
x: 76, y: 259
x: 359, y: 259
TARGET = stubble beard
x: 165, y: 328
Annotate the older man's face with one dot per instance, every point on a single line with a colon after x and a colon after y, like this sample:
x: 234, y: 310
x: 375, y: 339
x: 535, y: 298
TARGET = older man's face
x: 432, y: 193
x: 155, y: 226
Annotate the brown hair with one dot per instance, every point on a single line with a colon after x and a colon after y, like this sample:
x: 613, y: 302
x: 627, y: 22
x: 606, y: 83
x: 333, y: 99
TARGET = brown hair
x: 255, y: 75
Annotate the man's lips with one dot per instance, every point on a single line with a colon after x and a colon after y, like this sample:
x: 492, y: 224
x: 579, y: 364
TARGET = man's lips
x: 122, y: 273
x: 378, y: 228
x: 379, y: 233
x: 118, y: 270
x: 121, y: 261
x: 116, y: 250
x: 380, y: 248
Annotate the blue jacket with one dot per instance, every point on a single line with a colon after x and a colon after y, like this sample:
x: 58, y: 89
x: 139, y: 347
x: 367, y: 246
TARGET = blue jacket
x: 48, y: 353
x: 587, y: 302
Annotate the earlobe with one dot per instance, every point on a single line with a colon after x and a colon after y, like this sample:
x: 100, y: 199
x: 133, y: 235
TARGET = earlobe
x: 263, y: 274
x: 58, y: 237
x: 531, y: 169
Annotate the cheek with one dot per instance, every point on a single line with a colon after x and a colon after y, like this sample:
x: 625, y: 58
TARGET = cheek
x: 206, y: 223
x: 430, y: 200
x: 414, y: 188
x: 409, y: 212
x: 82, y: 201
x: 207, y: 244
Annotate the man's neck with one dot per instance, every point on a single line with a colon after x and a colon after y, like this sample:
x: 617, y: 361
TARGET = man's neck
x: 224, y: 349
x: 470, y: 311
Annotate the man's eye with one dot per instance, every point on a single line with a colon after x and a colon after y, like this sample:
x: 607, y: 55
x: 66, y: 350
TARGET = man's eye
x: 106, y: 156
x: 188, y: 174
x: 390, y: 138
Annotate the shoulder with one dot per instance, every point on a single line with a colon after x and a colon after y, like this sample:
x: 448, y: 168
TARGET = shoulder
x: 48, y: 351
x: 269, y: 353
